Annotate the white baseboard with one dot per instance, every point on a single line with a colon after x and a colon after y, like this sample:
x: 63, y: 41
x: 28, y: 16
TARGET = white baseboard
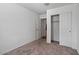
x: 26, y: 42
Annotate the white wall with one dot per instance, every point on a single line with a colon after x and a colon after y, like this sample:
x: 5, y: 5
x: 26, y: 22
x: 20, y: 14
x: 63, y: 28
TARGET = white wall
x: 17, y: 26
x: 38, y: 28
x: 77, y: 11
x: 43, y: 16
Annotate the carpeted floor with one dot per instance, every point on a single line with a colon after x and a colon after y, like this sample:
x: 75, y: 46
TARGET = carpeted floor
x: 40, y: 47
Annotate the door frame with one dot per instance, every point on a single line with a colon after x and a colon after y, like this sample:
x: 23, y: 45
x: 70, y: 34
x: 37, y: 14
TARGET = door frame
x: 68, y: 8
x: 52, y: 26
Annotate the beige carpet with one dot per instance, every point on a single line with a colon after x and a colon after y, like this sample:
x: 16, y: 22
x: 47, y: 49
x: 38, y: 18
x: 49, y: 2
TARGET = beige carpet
x: 40, y: 47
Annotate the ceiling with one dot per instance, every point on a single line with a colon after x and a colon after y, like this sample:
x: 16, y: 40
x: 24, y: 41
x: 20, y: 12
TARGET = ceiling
x: 40, y: 7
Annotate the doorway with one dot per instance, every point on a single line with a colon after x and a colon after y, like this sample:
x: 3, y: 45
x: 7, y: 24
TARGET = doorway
x: 55, y: 28
x: 43, y: 28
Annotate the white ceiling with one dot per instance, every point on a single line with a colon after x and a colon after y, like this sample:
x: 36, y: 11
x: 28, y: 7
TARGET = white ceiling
x: 40, y: 7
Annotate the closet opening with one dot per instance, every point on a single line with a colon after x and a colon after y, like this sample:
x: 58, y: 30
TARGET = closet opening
x: 55, y: 28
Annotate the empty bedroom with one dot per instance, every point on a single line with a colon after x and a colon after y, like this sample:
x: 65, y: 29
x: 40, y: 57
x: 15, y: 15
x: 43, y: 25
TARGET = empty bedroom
x: 39, y: 28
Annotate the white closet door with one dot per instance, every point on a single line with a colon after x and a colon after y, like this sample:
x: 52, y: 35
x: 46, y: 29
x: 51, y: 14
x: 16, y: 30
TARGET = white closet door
x: 66, y: 29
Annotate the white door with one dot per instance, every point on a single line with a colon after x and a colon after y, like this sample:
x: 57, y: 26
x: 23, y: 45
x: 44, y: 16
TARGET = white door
x: 66, y: 29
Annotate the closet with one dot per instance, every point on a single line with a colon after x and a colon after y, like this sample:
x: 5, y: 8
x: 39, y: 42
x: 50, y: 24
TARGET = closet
x: 61, y: 25
x: 55, y: 28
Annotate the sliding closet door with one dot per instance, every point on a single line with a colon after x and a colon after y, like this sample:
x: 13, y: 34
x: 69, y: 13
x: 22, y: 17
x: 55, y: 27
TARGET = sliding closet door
x: 66, y: 29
